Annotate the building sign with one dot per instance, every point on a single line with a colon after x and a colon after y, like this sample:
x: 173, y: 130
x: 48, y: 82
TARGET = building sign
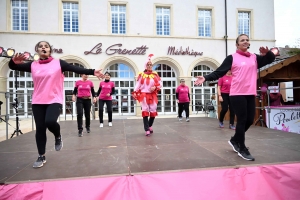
x: 284, y: 119
x: 116, y: 49
x: 54, y: 50
x: 180, y: 51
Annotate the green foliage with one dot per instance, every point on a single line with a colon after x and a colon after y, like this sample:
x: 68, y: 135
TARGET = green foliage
x: 294, y: 51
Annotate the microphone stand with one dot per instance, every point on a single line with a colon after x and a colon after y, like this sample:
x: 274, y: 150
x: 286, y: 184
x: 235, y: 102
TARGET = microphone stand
x: 16, y: 105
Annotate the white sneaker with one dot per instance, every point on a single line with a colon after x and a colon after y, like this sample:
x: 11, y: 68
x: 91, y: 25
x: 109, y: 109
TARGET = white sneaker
x: 187, y: 119
x: 179, y: 118
x: 101, y: 125
x: 109, y: 124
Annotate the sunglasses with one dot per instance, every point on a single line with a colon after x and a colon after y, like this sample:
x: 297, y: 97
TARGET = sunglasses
x: 149, y: 64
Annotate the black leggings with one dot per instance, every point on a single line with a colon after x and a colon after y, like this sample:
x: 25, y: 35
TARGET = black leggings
x: 148, y: 122
x: 45, y: 116
x: 225, y: 104
x: 83, y: 104
x: 244, y: 108
x: 185, y: 107
x: 109, y: 109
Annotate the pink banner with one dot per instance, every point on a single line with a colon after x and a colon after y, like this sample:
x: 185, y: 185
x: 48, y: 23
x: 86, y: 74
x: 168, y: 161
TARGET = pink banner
x: 260, y: 182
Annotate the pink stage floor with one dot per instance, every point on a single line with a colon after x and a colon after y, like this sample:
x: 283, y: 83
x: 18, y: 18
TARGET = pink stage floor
x: 180, y: 160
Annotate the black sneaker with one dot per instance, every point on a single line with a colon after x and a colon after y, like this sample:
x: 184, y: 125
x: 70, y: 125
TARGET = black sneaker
x: 235, y: 146
x: 88, y: 130
x: 39, y: 162
x: 80, y: 134
x: 58, y: 143
x: 245, y: 154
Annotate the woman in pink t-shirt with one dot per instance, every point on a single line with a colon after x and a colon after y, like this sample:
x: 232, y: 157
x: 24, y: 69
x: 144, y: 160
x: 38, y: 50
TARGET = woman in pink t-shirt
x: 183, y: 100
x: 224, y: 85
x: 243, y: 66
x: 84, y: 88
x: 48, y: 95
x: 105, y: 92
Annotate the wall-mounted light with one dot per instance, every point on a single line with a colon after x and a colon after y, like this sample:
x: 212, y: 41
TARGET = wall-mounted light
x: 7, y: 52
x: 10, y: 52
x: 275, y: 50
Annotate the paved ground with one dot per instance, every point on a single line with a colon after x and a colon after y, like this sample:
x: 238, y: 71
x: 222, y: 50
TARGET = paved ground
x: 123, y: 149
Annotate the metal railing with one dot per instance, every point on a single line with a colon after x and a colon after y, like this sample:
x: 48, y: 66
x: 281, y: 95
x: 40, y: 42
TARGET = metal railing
x: 197, y: 104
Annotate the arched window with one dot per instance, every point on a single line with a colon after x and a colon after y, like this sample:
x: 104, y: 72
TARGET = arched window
x: 123, y: 77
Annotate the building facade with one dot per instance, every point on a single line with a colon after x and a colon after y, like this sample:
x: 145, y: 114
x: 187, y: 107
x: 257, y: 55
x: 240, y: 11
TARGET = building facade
x: 187, y: 38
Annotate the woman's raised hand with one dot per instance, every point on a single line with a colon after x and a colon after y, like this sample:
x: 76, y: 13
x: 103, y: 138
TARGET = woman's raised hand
x: 19, y: 58
x: 199, y: 81
x: 263, y: 50
x: 99, y: 74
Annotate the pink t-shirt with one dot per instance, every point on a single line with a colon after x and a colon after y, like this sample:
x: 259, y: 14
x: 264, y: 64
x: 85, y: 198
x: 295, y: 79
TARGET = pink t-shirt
x: 84, y: 88
x: 225, y: 83
x: 183, y: 92
x: 48, y: 82
x: 106, y: 88
x: 244, y: 75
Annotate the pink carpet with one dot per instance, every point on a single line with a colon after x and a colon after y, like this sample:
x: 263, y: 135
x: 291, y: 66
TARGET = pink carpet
x: 259, y: 182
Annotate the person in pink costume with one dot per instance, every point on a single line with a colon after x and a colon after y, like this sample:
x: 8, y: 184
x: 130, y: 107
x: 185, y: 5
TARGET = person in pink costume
x: 48, y: 95
x: 147, y: 85
x: 243, y: 66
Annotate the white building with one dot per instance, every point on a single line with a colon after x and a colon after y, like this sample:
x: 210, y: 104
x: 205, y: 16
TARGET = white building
x: 118, y: 35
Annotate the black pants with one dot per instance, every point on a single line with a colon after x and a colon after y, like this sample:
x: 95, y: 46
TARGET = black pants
x: 185, y: 107
x: 148, y: 122
x: 45, y: 116
x: 83, y: 104
x: 244, y: 108
x: 225, y: 104
x: 109, y: 109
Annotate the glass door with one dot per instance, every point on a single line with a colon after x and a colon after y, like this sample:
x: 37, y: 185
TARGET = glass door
x: 201, y: 96
x: 68, y: 107
x: 122, y: 102
x: 167, y: 101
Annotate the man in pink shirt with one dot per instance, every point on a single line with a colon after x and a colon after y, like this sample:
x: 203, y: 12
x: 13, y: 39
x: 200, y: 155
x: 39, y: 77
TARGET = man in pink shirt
x: 243, y: 66
x: 183, y: 100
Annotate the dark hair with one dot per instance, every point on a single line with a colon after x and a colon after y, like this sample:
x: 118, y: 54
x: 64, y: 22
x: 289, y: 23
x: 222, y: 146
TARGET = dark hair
x: 107, y: 73
x: 37, y: 46
x: 237, y: 39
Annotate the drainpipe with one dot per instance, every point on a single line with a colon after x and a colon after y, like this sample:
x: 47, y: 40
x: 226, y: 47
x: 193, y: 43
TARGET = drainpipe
x: 225, y: 37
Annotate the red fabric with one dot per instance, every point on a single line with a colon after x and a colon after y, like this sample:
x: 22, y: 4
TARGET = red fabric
x: 274, y: 182
x: 247, y: 54
x: 46, y: 60
x: 150, y: 97
x: 145, y: 114
x: 153, y: 114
